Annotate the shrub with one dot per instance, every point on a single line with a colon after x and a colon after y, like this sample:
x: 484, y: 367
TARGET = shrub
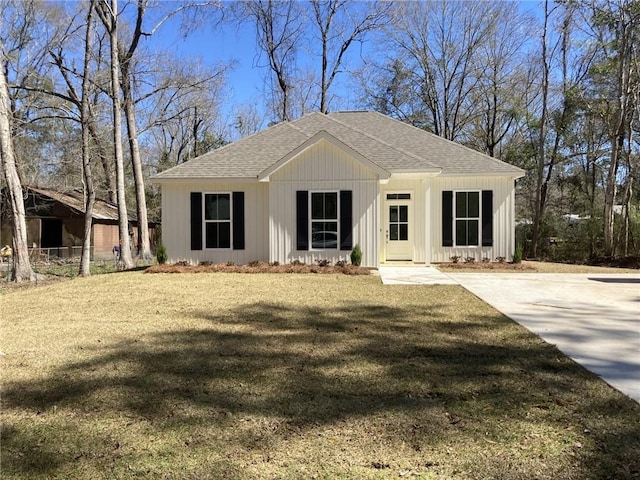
x: 254, y: 263
x: 297, y: 262
x: 341, y: 263
x: 323, y: 262
x: 517, y: 255
x: 500, y: 259
x: 356, y: 255
x: 274, y: 264
x: 455, y: 258
x: 470, y: 260
x: 486, y: 260
x: 161, y: 254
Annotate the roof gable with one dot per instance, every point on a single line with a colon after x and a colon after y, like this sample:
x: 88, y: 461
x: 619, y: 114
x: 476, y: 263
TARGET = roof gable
x: 314, y: 140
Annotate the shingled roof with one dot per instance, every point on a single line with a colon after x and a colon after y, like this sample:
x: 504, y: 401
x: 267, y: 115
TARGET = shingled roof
x: 391, y: 144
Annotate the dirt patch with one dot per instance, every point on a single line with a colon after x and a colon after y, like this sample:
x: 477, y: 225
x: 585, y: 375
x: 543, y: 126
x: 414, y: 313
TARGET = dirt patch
x: 258, y: 267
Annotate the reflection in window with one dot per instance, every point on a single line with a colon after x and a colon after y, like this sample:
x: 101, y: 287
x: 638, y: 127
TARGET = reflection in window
x: 324, y: 220
x: 467, y: 218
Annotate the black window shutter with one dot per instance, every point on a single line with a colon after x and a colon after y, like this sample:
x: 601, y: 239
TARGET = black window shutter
x: 302, y: 220
x: 346, y: 220
x: 196, y: 221
x: 487, y: 218
x: 238, y: 220
x: 447, y: 218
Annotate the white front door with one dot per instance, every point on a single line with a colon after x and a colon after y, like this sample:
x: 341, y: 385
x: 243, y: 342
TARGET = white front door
x: 398, y: 228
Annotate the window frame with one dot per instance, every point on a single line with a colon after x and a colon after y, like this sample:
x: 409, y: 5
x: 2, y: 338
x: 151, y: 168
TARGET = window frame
x: 311, y: 220
x: 205, y: 221
x: 455, y: 219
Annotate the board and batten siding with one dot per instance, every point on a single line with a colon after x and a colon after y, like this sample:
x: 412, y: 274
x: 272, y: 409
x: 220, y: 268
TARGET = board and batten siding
x: 503, y: 218
x: 175, y: 212
x: 323, y: 167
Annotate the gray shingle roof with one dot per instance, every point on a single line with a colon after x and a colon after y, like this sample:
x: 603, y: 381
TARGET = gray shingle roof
x: 393, y: 145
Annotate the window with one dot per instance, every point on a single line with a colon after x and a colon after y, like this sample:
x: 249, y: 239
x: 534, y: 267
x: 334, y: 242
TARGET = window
x: 217, y: 220
x: 324, y: 220
x: 398, y: 196
x: 398, y: 222
x: 467, y: 218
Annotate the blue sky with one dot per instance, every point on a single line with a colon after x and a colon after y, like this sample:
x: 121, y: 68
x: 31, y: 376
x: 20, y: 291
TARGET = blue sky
x: 226, y: 44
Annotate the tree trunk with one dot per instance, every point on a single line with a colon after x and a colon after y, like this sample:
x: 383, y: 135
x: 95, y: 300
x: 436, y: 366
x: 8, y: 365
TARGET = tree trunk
x: 108, y: 15
x: 538, y: 207
x: 85, y: 115
x: 144, y: 246
x: 21, y: 269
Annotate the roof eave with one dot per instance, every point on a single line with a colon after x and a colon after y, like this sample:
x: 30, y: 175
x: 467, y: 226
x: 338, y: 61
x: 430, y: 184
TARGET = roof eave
x: 166, y: 180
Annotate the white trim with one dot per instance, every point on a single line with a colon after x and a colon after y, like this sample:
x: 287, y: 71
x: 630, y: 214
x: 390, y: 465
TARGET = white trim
x: 410, y: 203
x: 322, y: 135
x: 512, y: 176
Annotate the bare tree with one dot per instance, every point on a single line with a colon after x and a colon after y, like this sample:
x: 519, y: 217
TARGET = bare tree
x: 108, y: 14
x: 279, y: 30
x: 85, y: 116
x: 21, y: 268
x: 340, y: 23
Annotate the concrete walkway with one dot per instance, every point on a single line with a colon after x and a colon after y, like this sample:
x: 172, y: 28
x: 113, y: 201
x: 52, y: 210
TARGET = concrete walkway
x: 414, y: 275
x: 592, y: 318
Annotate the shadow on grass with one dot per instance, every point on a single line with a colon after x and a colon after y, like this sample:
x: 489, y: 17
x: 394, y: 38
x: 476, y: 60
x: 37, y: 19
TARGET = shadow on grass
x: 430, y: 378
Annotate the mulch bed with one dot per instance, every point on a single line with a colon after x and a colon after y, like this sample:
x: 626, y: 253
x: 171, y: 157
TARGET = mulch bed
x: 486, y: 266
x: 257, y: 267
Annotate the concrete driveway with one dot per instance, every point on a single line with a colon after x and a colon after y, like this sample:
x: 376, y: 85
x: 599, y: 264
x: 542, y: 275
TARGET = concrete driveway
x: 593, y: 318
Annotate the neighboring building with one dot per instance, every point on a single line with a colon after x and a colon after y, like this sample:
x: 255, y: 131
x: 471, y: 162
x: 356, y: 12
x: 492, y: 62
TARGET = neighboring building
x: 312, y: 188
x: 55, y: 224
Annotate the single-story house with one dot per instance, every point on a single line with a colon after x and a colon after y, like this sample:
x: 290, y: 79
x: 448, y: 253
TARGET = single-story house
x: 315, y: 187
x: 55, y: 224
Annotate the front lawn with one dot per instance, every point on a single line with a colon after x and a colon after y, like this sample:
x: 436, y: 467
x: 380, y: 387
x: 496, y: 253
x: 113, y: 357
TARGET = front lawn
x: 214, y: 375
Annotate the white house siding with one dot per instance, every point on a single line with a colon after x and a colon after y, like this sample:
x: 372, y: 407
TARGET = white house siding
x: 417, y: 188
x: 175, y: 212
x: 323, y: 167
x: 503, y: 218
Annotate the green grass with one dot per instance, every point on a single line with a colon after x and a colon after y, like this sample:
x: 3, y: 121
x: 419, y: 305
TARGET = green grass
x: 202, y: 376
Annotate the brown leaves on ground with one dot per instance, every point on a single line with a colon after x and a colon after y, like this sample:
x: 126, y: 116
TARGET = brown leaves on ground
x: 257, y: 267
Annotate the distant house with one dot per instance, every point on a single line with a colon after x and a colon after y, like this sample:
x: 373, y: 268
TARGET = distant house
x: 312, y: 188
x: 55, y: 224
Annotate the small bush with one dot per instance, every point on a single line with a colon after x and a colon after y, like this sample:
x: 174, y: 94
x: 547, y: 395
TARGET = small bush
x: 254, y: 263
x: 470, y: 260
x: 517, y: 255
x: 486, y: 260
x: 356, y: 255
x: 274, y: 264
x: 341, y: 263
x: 161, y: 254
x: 230, y: 264
x: 323, y: 262
x: 500, y: 259
x: 297, y: 262
x: 205, y: 263
x: 455, y: 258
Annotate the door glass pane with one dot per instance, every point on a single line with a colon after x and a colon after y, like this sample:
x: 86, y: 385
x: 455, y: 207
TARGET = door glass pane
x: 393, y: 232
x: 404, y: 213
x: 393, y: 214
x: 474, y: 204
x: 461, y: 204
x: 404, y: 231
